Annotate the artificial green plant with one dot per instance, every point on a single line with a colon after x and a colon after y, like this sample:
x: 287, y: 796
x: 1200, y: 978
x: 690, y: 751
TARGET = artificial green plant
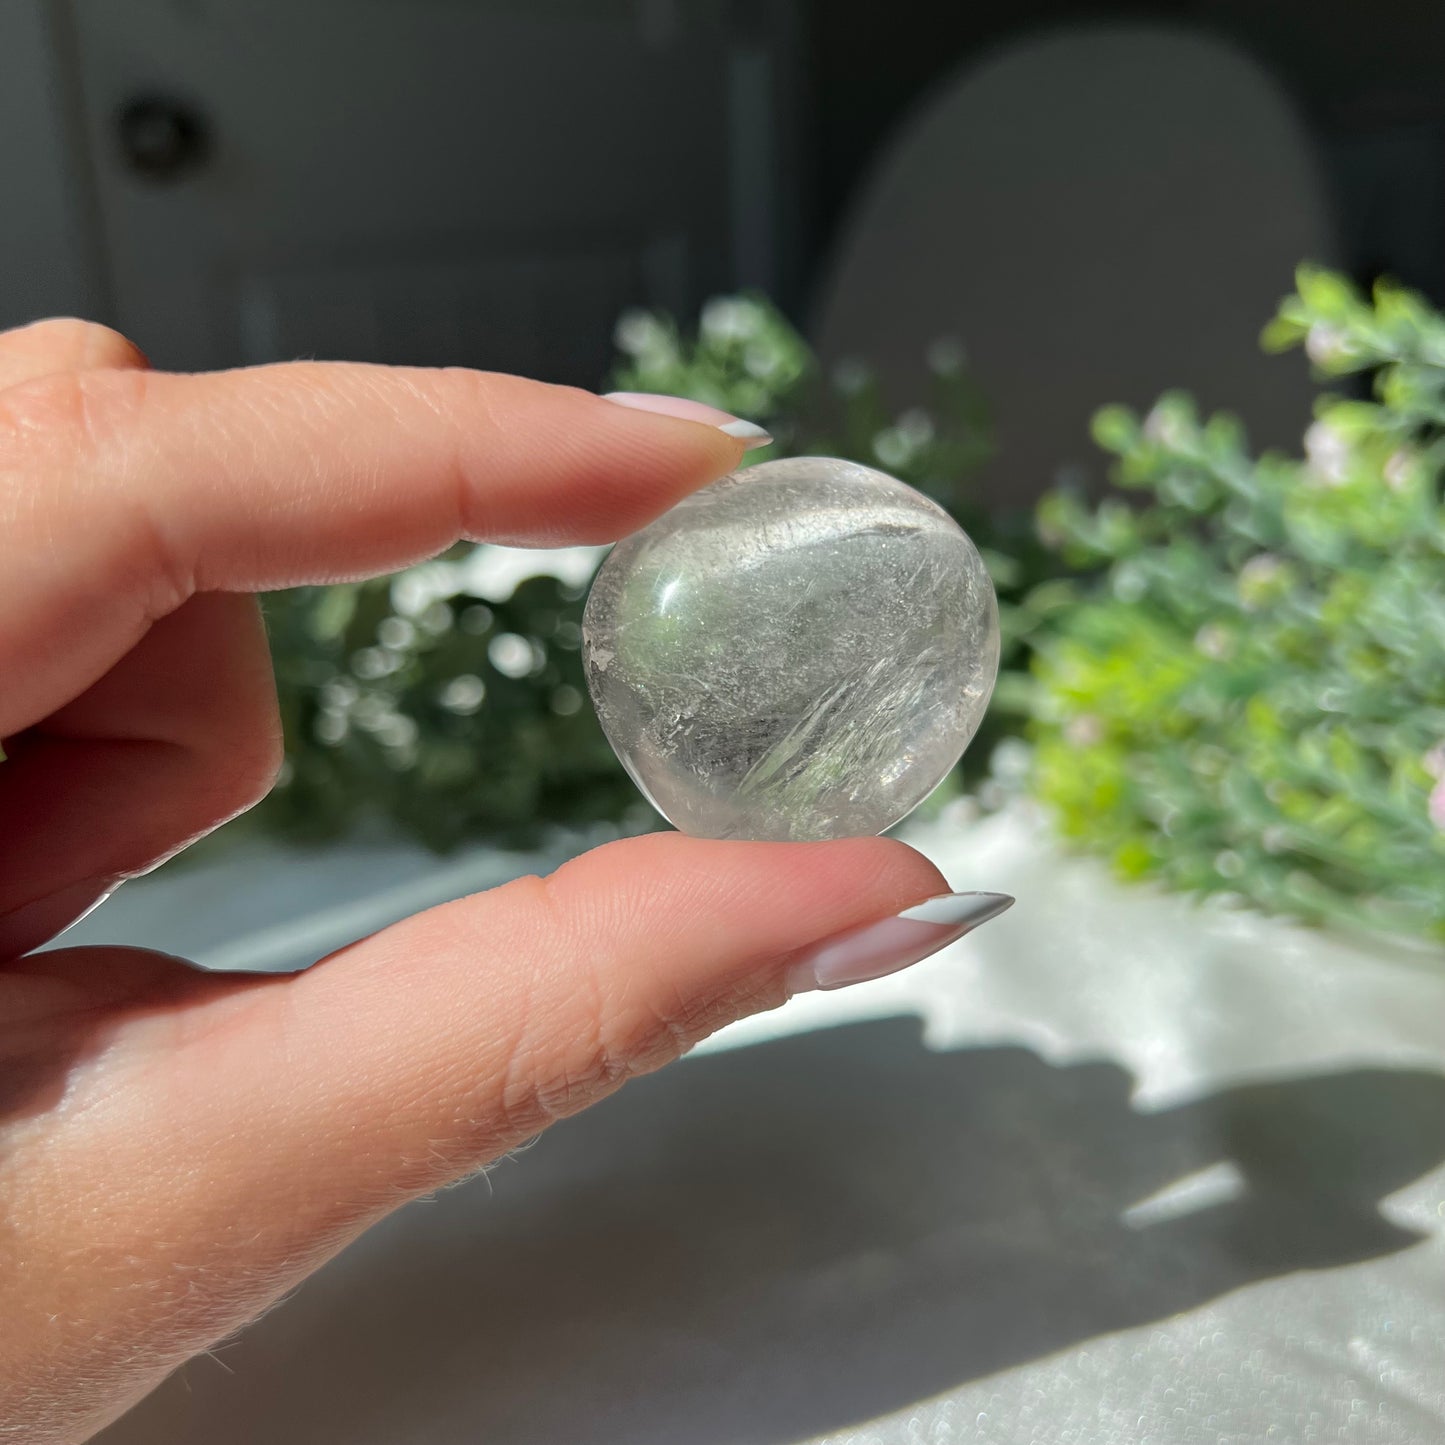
x: 1250, y: 697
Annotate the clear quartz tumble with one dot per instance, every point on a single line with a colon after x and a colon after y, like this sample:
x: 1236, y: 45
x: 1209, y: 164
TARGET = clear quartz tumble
x: 799, y: 651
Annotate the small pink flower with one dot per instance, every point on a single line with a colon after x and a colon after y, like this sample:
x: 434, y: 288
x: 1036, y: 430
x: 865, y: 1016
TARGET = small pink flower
x: 1398, y: 469
x: 1213, y: 641
x: 1437, y: 805
x: 1328, y: 453
x: 1164, y: 426
x: 1325, y: 344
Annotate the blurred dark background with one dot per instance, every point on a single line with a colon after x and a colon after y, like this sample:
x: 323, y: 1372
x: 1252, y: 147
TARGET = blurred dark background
x: 1369, y: 81
x: 491, y: 181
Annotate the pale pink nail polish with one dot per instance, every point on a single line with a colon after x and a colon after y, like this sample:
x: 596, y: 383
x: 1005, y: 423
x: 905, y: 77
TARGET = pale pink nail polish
x: 748, y: 432
x: 877, y: 949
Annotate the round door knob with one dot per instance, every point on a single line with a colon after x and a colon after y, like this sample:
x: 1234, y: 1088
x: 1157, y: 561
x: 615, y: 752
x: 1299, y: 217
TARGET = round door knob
x: 161, y: 138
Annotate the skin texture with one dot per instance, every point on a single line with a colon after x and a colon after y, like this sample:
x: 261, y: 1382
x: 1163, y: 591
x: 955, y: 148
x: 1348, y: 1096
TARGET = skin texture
x: 177, y: 1150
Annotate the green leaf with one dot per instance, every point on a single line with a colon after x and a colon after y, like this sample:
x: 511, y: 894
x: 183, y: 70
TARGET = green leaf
x: 1115, y: 428
x: 1282, y: 333
x: 1325, y: 292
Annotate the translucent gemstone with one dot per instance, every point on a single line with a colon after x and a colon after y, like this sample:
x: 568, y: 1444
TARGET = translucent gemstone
x: 800, y: 651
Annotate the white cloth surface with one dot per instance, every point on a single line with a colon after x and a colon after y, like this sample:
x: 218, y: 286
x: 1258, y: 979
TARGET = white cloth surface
x: 1114, y: 1170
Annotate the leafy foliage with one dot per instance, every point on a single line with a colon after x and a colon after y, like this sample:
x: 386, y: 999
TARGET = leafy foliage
x: 446, y: 718
x: 1250, y: 698
x: 747, y: 359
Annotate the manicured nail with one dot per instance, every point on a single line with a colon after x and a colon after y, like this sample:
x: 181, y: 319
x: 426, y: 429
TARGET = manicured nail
x: 684, y: 409
x: 876, y: 949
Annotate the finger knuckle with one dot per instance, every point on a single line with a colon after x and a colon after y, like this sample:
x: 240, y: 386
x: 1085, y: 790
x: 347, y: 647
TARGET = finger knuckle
x: 70, y: 413
x: 67, y: 431
x: 37, y: 416
x: 570, y: 1049
x: 71, y: 342
x: 616, y: 1024
x: 474, y: 403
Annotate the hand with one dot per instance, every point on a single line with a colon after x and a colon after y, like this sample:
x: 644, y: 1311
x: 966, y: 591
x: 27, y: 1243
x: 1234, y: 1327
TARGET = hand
x: 178, y: 1149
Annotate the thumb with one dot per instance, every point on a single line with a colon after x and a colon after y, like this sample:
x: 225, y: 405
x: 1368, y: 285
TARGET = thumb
x: 457, y: 1035
x: 259, y: 1125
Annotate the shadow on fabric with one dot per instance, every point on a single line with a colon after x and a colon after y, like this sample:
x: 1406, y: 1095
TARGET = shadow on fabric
x: 764, y: 1245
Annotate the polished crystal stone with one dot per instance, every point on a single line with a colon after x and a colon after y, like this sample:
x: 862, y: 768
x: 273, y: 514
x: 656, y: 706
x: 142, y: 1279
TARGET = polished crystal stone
x: 801, y: 650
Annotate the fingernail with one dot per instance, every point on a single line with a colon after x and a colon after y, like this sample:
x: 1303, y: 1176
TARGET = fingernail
x: 748, y: 432
x: 39, y: 922
x: 877, y: 949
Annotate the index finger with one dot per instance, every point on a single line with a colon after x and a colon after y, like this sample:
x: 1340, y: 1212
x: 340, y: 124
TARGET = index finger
x: 124, y: 492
